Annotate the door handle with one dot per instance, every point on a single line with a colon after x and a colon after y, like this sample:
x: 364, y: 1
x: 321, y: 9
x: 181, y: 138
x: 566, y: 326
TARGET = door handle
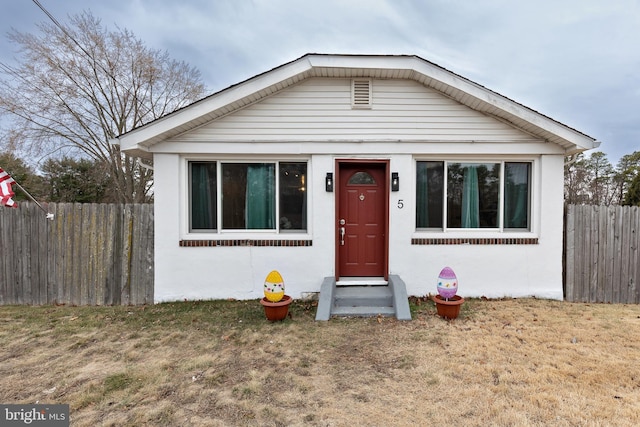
x: 342, y: 231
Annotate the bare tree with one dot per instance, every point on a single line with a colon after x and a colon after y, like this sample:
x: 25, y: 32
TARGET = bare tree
x: 575, y: 180
x: 77, y: 86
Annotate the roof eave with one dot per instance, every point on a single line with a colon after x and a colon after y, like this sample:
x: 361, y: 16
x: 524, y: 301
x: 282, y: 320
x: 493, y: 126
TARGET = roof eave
x: 197, y: 112
x: 461, y: 89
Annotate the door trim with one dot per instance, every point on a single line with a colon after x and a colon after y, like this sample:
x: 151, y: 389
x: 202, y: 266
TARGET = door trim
x: 336, y: 232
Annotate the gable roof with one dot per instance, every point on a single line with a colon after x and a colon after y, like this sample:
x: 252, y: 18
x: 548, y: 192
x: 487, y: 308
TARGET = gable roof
x: 139, y: 141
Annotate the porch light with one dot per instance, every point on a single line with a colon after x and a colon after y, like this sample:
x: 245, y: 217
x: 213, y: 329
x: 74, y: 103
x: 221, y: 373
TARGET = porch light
x: 328, y: 182
x: 395, y: 181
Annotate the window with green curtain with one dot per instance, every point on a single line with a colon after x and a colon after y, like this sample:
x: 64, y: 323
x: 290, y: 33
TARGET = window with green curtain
x: 429, y: 194
x: 516, y: 194
x: 248, y: 196
x: 203, y: 187
x: 473, y: 195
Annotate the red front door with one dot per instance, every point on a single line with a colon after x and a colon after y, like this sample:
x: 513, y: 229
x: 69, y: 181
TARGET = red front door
x: 362, y: 220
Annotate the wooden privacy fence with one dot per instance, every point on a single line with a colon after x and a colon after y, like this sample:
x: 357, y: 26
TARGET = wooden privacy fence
x: 102, y: 254
x: 90, y: 254
x: 601, y: 254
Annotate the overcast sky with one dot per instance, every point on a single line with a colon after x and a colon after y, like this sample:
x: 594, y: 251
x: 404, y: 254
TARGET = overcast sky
x: 577, y: 61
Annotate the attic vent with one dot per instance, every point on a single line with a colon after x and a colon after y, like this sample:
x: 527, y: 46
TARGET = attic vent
x: 361, y: 93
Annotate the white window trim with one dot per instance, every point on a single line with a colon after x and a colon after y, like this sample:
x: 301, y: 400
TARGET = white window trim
x: 219, y: 233
x: 499, y: 232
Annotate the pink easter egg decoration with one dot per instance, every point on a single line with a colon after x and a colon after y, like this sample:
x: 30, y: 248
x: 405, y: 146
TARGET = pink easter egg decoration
x: 447, y: 283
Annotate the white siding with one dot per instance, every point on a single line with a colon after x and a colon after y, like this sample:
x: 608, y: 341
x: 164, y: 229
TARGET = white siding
x: 319, y: 109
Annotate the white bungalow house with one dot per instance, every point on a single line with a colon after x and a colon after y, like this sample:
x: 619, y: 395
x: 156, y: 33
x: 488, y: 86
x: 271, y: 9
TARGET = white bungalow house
x: 361, y: 170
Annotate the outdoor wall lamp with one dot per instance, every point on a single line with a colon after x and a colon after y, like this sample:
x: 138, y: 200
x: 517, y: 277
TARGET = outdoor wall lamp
x: 328, y: 182
x: 395, y: 181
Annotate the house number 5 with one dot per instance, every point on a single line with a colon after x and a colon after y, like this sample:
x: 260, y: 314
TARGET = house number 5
x: 400, y: 204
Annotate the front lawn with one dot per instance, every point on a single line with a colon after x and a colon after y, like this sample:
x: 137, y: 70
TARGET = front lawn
x: 522, y: 362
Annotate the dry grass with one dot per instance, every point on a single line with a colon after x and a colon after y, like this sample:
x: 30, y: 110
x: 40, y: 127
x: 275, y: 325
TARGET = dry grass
x: 506, y: 362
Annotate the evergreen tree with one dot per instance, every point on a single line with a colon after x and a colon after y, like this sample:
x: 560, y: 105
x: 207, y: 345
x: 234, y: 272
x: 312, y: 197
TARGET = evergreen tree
x: 25, y: 176
x: 82, y: 181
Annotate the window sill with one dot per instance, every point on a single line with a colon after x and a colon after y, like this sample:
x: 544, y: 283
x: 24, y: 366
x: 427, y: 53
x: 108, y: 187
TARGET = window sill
x: 474, y: 241
x: 245, y: 242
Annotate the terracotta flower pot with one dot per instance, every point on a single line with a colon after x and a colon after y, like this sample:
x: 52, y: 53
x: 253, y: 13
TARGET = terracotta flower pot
x: 276, y: 310
x: 448, y: 309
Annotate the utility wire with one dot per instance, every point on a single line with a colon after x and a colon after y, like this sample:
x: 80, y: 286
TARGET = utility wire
x: 88, y: 54
x: 64, y: 30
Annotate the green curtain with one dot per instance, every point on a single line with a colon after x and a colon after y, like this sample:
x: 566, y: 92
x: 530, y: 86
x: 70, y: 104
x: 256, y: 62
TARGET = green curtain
x: 470, y: 198
x: 203, y: 196
x: 260, y: 196
x: 516, y: 196
x: 422, y: 196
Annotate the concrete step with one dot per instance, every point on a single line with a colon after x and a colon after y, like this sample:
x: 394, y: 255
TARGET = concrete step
x: 353, y: 296
x: 363, y: 311
x: 363, y: 300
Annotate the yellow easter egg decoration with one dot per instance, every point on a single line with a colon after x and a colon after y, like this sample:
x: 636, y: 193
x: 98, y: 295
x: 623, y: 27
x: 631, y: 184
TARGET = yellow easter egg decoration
x: 274, y: 287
